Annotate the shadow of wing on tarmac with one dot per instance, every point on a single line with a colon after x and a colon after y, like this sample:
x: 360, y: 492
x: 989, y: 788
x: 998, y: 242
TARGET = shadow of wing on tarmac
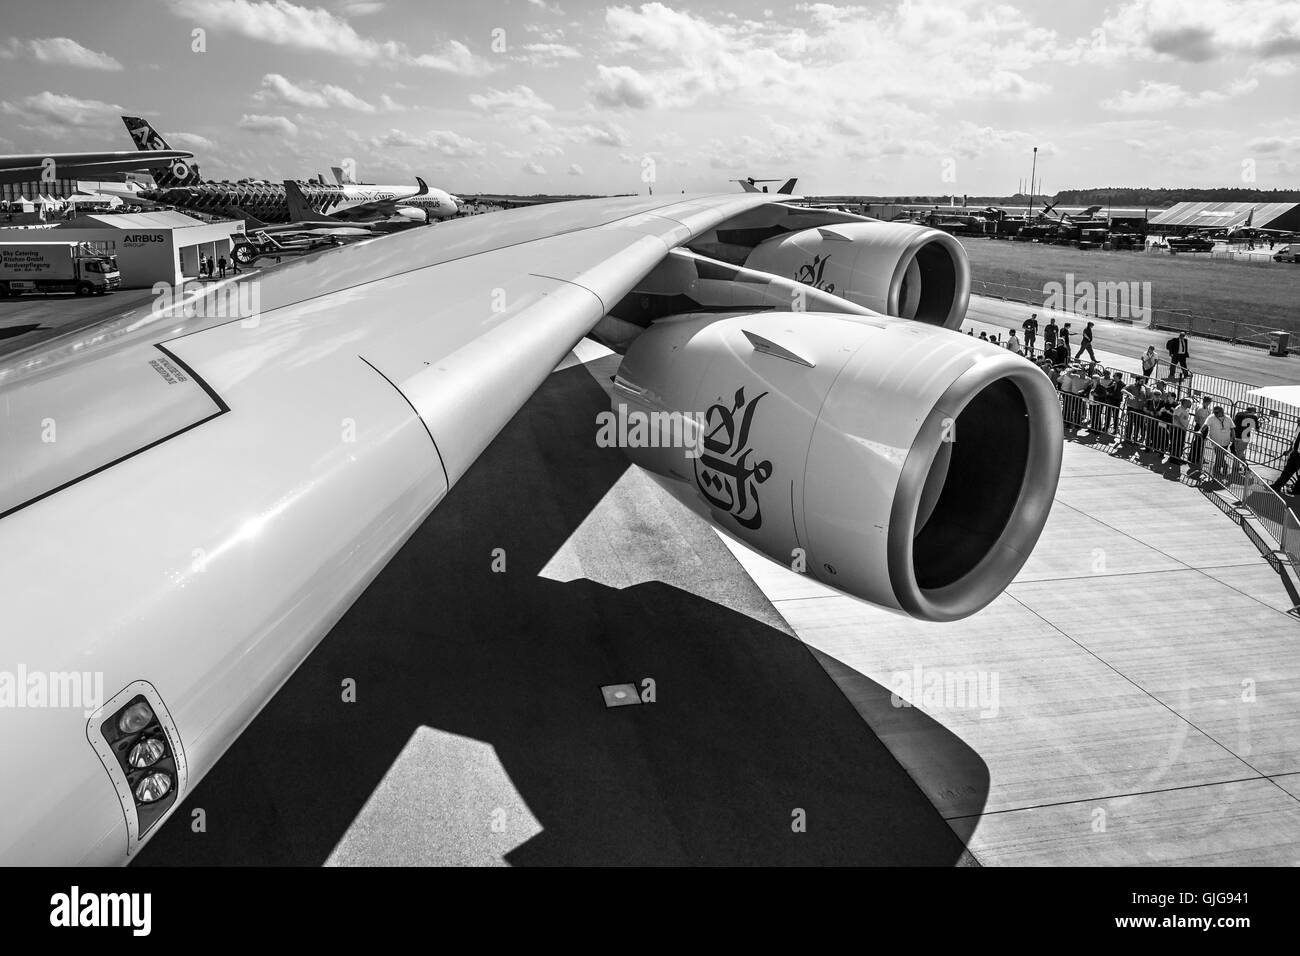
x: 480, y: 733
x: 13, y: 331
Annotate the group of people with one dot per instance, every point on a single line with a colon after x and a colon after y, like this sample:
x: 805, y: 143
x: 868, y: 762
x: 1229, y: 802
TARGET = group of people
x: 207, y: 266
x: 1156, y: 418
x: 1153, y: 416
x: 1056, y: 340
x: 1056, y: 346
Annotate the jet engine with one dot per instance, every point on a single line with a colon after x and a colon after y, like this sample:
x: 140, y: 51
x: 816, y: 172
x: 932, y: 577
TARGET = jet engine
x: 909, y: 466
x: 413, y: 213
x: 891, y: 268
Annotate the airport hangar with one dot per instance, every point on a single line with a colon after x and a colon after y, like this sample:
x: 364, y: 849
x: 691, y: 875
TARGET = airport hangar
x: 1186, y: 216
x: 150, y: 246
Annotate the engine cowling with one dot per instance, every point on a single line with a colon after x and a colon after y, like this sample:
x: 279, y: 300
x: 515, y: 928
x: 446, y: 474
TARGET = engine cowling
x: 892, y: 268
x: 909, y: 466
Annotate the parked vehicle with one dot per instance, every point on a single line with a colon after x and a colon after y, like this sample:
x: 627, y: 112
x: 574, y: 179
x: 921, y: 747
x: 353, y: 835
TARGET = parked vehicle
x: 1190, y: 244
x: 1288, y: 253
x: 56, y: 267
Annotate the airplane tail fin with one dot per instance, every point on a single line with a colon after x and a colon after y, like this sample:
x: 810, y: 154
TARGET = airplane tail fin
x: 342, y: 178
x: 180, y: 173
x: 424, y: 187
x: 747, y: 186
x: 788, y: 188
x: 299, y: 209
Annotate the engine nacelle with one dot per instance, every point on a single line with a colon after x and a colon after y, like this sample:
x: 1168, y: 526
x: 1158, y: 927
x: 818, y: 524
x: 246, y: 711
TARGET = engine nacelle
x: 892, y: 268
x: 909, y: 466
x: 413, y: 213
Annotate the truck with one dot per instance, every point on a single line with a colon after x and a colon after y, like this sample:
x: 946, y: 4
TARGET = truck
x: 1288, y: 253
x: 56, y: 267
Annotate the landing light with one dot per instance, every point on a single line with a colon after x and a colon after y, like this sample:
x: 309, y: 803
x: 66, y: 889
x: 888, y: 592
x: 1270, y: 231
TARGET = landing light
x: 135, y: 718
x: 146, y: 753
x: 153, y: 787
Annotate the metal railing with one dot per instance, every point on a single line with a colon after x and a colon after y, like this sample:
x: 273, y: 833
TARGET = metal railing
x: 1270, y: 442
x: 1200, y: 453
x: 1258, y: 497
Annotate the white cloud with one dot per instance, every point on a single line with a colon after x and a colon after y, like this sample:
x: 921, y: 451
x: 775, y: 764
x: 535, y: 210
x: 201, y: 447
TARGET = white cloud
x: 284, y: 24
x: 454, y: 58
x: 575, y: 170
x: 540, y: 52
x: 1198, y: 31
x: 59, y: 112
x: 602, y: 133
x: 929, y: 53
x: 278, y: 89
x: 189, y: 141
x: 362, y: 8
x: 442, y: 141
x: 1154, y: 97
x: 533, y: 169
x: 256, y: 123
x: 517, y: 98
x: 60, y: 51
x: 1273, y: 144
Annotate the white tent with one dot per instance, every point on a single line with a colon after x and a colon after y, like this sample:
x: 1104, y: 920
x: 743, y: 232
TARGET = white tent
x: 1286, y: 394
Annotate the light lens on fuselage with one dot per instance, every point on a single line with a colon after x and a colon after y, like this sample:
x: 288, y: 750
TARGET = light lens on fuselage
x: 153, y: 788
x: 146, y: 753
x: 135, y: 718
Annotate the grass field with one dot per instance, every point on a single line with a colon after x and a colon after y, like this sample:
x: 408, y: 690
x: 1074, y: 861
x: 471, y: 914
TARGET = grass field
x: 1213, y: 292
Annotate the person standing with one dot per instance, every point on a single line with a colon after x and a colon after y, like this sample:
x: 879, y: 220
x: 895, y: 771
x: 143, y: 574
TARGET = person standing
x: 1290, y: 468
x: 221, y: 267
x: 1085, y: 342
x: 1199, y: 418
x: 1049, y: 334
x: 1164, y: 423
x: 1149, y: 362
x: 1244, y: 426
x: 1013, y: 343
x: 1178, y: 352
x: 1114, y: 393
x: 1218, y: 429
x: 1097, y: 388
x: 1064, y: 336
x: 1030, y: 326
x: 1135, y: 400
x: 1182, y: 425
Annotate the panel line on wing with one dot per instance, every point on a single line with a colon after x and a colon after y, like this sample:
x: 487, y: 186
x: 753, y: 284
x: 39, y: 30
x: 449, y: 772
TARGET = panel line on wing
x: 541, y: 275
x: 436, y: 450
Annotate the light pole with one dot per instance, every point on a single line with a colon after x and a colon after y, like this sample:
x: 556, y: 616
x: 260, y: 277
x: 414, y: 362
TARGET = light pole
x: 1031, y: 185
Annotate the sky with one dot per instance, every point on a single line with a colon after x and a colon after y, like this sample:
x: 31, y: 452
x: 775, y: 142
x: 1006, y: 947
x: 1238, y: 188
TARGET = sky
x: 569, y: 96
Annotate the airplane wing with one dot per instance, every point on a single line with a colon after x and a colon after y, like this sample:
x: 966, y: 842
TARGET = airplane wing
x: 301, y: 444
x: 231, y: 474
x: 38, y: 167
